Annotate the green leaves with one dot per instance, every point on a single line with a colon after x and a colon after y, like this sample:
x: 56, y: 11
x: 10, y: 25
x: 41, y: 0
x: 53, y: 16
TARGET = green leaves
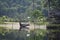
x: 37, y: 14
x: 55, y: 4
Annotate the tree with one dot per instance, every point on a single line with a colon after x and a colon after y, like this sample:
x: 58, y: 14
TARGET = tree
x: 37, y: 16
x: 55, y: 4
x: 54, y: 20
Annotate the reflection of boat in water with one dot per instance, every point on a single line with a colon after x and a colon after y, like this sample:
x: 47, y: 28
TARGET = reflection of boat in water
x: 24, y: 25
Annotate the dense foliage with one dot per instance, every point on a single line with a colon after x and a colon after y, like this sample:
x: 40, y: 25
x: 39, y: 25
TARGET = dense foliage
x: 20, y: 9
x: 38, y: 17
x: 54, y: 17
x: 55, y: 4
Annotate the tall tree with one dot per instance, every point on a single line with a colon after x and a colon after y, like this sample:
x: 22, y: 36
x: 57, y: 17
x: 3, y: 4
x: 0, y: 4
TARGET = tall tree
x: 54, y: 20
